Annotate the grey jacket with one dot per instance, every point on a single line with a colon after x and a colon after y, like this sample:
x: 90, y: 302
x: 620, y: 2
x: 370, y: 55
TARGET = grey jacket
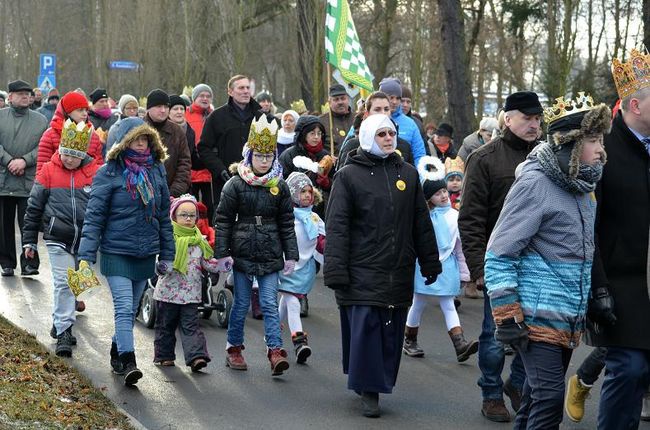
x: 470, y: 143
x: 20, y: 132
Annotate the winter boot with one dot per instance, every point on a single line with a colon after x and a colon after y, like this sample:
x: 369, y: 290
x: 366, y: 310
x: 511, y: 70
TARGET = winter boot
x: 411, y: 347
x: 116, y: 364
x: 278, y: 359
x: 471, y: 292
x: 463, y: 348
x: 234, y: 358
x: 255, y: 304
x: 574, y: 400
x: 64, y: 344
x: 54, y: 336
x: 495, y: 410
x: 370, y: 402
x: 131, y: 372
x: 303, y: 351
x: 304, y: 307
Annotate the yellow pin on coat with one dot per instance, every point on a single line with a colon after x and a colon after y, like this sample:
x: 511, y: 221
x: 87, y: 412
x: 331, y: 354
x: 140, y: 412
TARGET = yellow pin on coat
x: 401, y: 185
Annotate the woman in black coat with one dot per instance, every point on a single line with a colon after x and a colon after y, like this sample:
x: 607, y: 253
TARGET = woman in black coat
x: 255, y: 225
x: 377, y: 225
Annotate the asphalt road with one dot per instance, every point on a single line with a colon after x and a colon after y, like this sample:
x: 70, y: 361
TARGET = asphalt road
x: 434, y: 392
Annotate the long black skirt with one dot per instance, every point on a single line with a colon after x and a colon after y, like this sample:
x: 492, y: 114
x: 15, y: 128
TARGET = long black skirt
x: 372, y: 338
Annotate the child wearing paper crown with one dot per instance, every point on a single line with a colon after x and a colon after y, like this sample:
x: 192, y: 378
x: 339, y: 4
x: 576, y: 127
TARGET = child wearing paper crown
x: 310, y: 235
x: 56, y: 206
x: 455, y: 169
x: 454, y: 268
x: 178, y: 293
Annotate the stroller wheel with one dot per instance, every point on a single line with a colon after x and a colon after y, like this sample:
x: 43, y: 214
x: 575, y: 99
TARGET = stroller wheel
x: 148, y: 309
x: 225, y: 299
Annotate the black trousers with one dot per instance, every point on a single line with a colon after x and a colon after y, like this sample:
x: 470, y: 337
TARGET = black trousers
x: 169, y: 317
x: 203, y: 193
x: 9, y: 206
x: 590, y: 369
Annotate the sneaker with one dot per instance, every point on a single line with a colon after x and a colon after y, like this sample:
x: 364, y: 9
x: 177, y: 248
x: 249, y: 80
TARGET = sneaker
x: 495, y: 410
x: 164, y: 363
x: 302, y: 353
x: 64, y: 344
x: 234, y: 358
x: 198, y: 364
x: 370, y: 403
x: 29, y: 271
x: 278, y: 359
x: 513, y: 393
x: 574, y: 400
x: 54, y: 336
x: 412, y: 349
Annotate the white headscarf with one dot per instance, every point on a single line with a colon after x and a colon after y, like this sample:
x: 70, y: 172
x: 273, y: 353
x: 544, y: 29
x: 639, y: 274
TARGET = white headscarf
x: 285, y: 138
x: 368, y: 130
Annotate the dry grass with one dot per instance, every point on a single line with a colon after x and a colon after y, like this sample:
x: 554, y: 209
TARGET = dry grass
x: 38, y: 390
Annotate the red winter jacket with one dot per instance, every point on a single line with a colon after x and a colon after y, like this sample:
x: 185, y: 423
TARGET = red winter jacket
x: 49, y: 143
x: 195, y: 117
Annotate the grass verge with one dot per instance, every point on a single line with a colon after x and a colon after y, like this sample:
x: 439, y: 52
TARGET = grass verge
x: 39, y: 390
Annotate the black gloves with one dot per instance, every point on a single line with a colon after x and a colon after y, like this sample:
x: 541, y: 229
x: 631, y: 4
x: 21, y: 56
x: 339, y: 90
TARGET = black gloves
x: 512, y: 333
x: 224, y: 176
x: 600, y: 308
x: 430, y: 279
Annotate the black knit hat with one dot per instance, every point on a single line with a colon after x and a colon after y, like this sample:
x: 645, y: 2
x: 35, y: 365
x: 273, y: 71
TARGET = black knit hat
x: 157, y: 97
x: 432, y: 187
x: 175, y: 99
x: 98, y: 94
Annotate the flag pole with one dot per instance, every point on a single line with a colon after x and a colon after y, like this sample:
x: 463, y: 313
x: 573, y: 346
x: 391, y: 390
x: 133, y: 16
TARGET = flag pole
x: 329, y: 84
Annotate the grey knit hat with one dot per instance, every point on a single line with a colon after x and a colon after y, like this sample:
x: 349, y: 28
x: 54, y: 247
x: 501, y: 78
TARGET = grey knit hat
x: 391, y: 87
x: 199, y: 89
x: 296, y: 182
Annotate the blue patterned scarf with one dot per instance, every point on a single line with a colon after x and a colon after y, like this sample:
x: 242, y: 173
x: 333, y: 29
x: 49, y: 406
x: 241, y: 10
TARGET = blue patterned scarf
x: 304, y: 216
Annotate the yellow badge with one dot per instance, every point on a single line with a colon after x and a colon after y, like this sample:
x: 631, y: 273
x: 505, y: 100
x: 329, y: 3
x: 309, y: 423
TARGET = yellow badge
x: 342, y: 133
x: 274, y: 190
x: 401, y: 185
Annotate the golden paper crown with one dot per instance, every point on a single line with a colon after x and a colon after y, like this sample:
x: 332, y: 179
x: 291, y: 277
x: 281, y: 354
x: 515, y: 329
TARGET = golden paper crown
x: 299, y: 106
x: 263, y: 136
x: 75, y: 138
x: 632, y: 76
x: 454, y: 165
x: 564, y: 107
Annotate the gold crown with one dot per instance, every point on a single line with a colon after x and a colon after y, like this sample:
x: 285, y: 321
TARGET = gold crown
x: 75, y: 138
x: 632, y: 76
x: 299, y: 106
x: 263, y: 136
x: 454, y: 165
x: 564, y: 107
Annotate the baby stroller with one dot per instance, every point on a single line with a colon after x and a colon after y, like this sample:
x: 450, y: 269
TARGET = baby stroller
x: 215, y: 298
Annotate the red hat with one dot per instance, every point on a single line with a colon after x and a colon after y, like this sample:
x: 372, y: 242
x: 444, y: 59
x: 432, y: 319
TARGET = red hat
x: 74, y: 100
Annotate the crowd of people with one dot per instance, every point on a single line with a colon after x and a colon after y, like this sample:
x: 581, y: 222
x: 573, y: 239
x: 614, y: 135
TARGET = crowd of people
x: 525, y: 212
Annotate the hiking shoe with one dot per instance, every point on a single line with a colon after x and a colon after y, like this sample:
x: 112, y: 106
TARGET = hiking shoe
x: 198, y: 364
x: 235, y: 359
x: 514, y: 394
x: 278, y: 359
x: 64, y: 344
x: 574, y: 400
x: 370, y: 403
x: 495, y: 410
x: 54, y: 336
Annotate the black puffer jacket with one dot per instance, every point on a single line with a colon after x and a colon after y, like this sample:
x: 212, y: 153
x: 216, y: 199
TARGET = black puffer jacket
x: 375, y: 232
x: 305, y: 124
x: 255, y: 227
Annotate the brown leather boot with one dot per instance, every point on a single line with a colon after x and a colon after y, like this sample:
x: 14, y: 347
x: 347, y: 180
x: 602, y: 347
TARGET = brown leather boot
x: 234, y: 359
x: 495, y: 410
x: 411, y: 347
x: 463, y: 348
x: 278, y: 359
x: 470, y: 291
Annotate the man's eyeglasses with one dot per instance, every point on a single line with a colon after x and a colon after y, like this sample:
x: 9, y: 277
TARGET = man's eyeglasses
x: 391, y: 133
x: 186, y: 215
x: 263, y: 157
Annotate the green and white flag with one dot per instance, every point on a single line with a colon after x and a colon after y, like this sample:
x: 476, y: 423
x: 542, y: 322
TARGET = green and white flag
x: 342, y: 46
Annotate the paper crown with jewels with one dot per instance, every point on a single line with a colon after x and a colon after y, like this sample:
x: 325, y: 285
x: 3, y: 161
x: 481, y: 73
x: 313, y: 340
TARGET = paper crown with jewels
x: 263, y: 136
x: 75, y: 138
x: 454, y: 166
x: 564, y: 107
x: 299, y: 106
x: 632, y: 75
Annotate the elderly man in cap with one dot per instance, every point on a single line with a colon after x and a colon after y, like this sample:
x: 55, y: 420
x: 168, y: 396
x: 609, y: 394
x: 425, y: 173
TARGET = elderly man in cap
x: 178, y: 162
x: 489, y: 174
x: 47, y: 110
x: 341, y: 118
x: 100, y: 114
x: 478, y: 138
x: 20, y: 131
x: 406, y: 127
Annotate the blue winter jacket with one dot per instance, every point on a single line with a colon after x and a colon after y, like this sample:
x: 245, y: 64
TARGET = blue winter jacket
x: 408, y: 130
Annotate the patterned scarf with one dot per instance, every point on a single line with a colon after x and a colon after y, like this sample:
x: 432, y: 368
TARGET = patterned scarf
x: 136, y: 174
x: 585, y: 182
x: 184, y: 237
x: 269, y: 180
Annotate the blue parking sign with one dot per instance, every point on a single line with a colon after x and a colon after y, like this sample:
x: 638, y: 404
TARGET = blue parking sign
x: 48, y: 64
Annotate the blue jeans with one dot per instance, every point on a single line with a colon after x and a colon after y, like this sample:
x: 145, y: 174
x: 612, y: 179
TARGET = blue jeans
x: 491, y: 358
x: 126, y: 299
x: 268, y: 287
x: 63, y: 314
x: 543, y: 395
x: 627, y: 374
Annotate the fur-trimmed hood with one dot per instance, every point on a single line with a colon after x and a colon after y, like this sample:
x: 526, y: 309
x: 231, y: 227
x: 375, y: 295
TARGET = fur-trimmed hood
x: 157, y: 148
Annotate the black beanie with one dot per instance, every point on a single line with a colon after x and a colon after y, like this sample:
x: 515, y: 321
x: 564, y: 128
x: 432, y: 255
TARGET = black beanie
x: 176, y: 100
x: 432, y: 187
x: 157, y: 97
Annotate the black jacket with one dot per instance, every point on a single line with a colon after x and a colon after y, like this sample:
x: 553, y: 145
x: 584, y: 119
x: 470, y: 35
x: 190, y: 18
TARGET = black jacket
x: 103, y: 123
x: 351, y: 146
x: 197, y: 164
x: 622, y: 223
x: 257, y: 245
x: 489, y: 174
x: 451, y: 152
x: 375, y: 232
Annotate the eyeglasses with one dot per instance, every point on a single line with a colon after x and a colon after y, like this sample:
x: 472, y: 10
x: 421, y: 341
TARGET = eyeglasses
x: 186, y: 215
x: 391, y: 133
x: 264, y: 157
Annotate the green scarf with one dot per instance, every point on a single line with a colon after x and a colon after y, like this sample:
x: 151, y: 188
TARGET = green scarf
x: 184, y: 237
